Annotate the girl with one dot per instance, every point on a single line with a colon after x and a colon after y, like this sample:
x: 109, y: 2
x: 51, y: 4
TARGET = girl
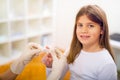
x: 90, y: 56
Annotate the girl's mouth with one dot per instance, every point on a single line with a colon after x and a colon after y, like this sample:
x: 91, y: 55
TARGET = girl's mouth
x: 84, y: 36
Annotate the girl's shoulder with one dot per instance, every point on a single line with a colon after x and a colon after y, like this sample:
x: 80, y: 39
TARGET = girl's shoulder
x: 107, y: 58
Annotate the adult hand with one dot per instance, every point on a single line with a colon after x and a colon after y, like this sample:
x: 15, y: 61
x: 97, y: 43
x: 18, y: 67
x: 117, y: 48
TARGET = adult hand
x: 31, y: 50
x: 59, y: 63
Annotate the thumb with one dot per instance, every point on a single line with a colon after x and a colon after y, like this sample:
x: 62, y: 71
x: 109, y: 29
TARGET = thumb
x: 52, y: 52
x: 34, y: 53
x: 58, y: 52
x: 34, y: 46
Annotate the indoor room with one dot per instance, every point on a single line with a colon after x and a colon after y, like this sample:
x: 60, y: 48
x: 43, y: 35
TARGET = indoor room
x: 48, y: 23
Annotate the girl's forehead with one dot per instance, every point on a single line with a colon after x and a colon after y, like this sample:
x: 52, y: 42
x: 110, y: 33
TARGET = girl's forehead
x: 84, y: 18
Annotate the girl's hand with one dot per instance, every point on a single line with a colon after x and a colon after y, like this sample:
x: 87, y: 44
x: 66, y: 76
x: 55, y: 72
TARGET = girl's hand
x: 47, y: 60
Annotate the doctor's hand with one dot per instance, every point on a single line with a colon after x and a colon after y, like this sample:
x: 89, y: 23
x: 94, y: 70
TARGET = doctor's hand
x: 58, y: 65
x: 31, y: 50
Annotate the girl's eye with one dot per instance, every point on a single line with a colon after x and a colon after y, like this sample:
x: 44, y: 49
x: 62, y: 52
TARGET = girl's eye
x: 90, y: 26
x: 79, y: 25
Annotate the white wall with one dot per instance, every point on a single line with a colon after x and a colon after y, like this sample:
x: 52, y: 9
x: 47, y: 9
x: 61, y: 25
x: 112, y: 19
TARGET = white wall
x: 66, y: 11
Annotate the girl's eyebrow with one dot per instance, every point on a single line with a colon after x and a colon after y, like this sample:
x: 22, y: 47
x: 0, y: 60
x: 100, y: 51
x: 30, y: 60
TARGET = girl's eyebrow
x: 91, y: 22
x: 86, y: 23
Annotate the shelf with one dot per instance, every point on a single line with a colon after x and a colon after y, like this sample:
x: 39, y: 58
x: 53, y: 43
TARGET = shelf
x: 21, y: 22
x: 3, y: 10
x: 35, y: 39
x: 47, y: 23
x: 18, y: 30
x: 4, y: 48
x: 47, y: 7
x: 5, y: 59
x: 4, y: 32
x: 18, y: 46
x: 17, y: 10
x: 115, y: 44
x: 34, y: 7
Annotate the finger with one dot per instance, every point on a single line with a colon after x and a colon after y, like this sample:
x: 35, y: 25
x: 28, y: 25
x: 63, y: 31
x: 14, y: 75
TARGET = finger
x: 46, y: 50
x: 47, y: 47
x: 35, y: 52
x: 34, y: 46
x: 58, y: 52
x: 54, y: 56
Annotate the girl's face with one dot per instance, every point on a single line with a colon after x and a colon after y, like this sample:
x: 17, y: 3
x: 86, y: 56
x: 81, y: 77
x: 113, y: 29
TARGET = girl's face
x: 87, y: 31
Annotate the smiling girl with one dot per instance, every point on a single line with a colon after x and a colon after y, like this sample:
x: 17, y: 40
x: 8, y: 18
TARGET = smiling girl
x: 90, y: 56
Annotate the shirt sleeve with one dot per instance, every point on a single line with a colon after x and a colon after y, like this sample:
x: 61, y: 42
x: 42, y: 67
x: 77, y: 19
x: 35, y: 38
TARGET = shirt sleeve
x: 48, y: 71
x: 108, y: 72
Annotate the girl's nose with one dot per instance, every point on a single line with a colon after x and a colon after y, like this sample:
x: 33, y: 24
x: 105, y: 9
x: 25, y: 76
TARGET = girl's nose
x: 84, y: 29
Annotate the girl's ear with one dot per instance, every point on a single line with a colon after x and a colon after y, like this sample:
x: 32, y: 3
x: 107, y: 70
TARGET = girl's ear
x: 101, y: 32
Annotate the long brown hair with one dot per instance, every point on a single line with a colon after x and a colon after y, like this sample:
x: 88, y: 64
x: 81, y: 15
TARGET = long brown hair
x: 97, y: 15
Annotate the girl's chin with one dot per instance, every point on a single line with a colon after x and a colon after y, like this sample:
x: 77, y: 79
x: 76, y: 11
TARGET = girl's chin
x: 84, y: 43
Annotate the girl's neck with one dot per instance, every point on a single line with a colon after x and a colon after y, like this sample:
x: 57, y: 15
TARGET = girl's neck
x: 92, y: 48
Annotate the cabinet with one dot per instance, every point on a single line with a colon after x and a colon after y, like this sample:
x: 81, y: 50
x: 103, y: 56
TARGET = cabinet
x: 116, y: 49
x: 24, y: 21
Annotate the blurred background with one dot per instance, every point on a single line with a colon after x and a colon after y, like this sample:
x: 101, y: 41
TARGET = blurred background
x: 48, y: 22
